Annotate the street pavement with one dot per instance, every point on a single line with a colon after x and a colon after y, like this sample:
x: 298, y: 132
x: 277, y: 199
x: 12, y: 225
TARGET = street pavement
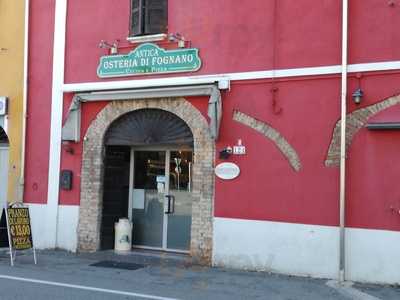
x: 62, y: 275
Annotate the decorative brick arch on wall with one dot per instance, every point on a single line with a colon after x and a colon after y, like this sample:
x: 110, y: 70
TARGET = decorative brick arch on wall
x: 90, y: 212
x: 272, y: 134
x: 355, y: 121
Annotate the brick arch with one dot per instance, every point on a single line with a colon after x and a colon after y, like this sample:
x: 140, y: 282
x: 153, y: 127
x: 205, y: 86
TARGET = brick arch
x: 203, y: 168
x: 272, y: 134
x: 355, y: 121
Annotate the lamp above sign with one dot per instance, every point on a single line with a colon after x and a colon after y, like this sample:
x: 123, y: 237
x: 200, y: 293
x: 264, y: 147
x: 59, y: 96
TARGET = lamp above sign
x: 149, y: 59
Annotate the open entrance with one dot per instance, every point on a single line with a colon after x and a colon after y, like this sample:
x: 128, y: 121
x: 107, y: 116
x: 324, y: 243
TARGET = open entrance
x: 148, y: 178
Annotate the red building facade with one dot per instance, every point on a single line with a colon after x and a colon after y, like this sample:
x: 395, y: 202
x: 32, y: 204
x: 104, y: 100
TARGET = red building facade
x: 277, y: 68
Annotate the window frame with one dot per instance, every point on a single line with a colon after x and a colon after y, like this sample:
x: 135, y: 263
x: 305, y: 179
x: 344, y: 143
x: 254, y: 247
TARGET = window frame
x: 143, y: 24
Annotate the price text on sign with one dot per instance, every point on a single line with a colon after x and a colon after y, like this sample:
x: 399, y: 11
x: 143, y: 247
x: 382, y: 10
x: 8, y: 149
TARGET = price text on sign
x: 20, y: 228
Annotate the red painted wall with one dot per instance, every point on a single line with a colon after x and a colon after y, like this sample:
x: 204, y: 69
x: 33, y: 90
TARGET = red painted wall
x: 373, y: 33
x: 373, y: 192
x: 268, y: 188
x: 73, y: 161
x: 226, y: 45
x: 293, y: 34
x: 255, y: 36
x: 373, y: 162
x: 39, y: 100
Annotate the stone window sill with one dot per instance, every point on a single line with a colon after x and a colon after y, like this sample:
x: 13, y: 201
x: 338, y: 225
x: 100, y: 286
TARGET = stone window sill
x: 146, y: 38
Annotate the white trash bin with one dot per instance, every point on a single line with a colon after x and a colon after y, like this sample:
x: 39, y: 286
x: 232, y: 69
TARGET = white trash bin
x: 123, y: 235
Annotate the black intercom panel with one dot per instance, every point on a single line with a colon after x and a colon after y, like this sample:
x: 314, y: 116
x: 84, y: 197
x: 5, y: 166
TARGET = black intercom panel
x: 66, y: 180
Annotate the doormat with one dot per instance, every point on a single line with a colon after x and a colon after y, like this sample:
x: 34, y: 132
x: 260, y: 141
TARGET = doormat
x: 117, y: 265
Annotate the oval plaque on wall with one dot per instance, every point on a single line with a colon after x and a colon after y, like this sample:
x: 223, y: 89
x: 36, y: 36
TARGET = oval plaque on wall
x: 227, y: 170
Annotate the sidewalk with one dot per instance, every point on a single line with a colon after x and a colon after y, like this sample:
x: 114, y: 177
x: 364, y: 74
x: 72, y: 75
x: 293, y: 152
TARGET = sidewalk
x: 165, y: 276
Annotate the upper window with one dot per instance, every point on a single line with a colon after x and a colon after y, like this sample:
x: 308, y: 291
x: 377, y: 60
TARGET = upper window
x: 148, y: 17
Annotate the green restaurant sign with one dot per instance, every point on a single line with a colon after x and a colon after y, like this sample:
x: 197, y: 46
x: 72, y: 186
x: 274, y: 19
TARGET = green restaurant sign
x: 149, y: 59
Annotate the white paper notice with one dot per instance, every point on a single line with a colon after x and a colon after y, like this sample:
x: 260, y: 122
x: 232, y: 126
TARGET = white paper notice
x: 160, y: 187
x: 138, y: 199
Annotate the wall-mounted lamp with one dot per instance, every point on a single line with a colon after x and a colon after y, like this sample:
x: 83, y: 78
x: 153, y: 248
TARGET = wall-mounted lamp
x: 113, y: 48
x: 177, y: 37
x: 357, y: 96
x: 225, y: 153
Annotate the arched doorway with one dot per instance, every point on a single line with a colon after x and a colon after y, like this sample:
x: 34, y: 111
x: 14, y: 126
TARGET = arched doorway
x: 4, y: 149
x: 148, y: 178
x: 93, y: 171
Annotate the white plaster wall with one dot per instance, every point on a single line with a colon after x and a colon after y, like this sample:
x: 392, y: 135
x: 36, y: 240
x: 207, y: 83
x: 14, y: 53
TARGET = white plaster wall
x: 373, y: 256
x: 38, y: 214
x: 296, y: 249
x: 307, y: 250
x: 67, y: 225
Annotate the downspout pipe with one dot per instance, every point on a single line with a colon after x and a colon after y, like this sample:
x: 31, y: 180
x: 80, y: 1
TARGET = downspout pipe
x: 342, y: 233
x: 24, y: 103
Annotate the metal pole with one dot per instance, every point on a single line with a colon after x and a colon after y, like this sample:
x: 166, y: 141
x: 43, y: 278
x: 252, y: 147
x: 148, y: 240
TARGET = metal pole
x: 9, y: 236
x: 34, y: 255
x: 342, y: 261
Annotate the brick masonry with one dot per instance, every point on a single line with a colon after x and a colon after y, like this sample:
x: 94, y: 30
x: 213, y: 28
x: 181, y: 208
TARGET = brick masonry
x: 203, y: 173
x: 355, y: 121
x: 272, y: 134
